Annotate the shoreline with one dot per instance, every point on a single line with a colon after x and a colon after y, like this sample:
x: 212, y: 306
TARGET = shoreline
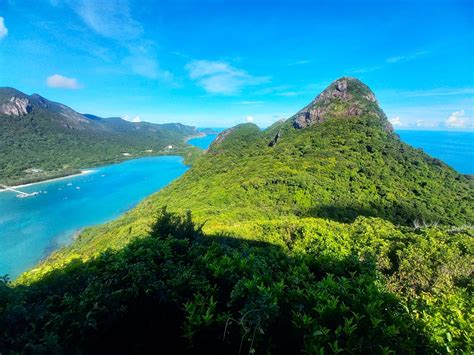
x: 83, y: 172
x: 88, y: 171
x: 201, y: 135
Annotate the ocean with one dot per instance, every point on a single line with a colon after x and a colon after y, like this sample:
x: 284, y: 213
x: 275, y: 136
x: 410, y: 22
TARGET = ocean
x: 454, y: 148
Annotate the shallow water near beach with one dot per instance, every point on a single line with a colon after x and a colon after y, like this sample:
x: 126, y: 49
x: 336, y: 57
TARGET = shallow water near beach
x: 31, y: 228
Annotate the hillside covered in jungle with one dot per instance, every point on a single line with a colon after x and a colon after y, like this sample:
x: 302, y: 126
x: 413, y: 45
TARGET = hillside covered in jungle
x: 324, y: 233
x: 41, y: 139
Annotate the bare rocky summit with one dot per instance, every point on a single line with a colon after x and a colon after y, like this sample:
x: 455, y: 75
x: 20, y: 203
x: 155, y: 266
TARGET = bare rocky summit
x: 344, y: 98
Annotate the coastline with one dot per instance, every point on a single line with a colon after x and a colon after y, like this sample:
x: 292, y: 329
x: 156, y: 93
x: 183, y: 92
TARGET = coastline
x: 75, y: 230
x: 83, y: 172
x: 200, y: 135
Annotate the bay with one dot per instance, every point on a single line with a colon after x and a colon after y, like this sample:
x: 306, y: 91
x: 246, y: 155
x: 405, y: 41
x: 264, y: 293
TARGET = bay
x: 31, y: 228
x: 202, y: 142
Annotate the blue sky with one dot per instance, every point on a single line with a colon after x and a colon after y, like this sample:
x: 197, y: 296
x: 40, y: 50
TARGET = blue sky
x: 219, y: 63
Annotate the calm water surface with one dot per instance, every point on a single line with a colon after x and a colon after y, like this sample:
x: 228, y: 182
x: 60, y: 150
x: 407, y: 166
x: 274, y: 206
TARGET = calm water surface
x: 454, y: 148
x: 203, y: 142
x: 30, y: 228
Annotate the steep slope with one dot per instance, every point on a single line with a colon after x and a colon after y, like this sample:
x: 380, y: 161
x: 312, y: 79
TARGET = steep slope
x: 345, y: 98
x: 324, y: 233
x: 338, y: 158
x: 40, y: 138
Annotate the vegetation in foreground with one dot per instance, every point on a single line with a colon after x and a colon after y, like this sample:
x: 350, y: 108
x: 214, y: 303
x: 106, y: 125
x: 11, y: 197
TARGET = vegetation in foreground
x: 313, y: 285
x: 336, y: 237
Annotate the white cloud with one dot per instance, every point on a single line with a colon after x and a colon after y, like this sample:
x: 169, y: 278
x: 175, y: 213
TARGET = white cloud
x: 396, y: 121
x: 3, y: 28
x: 366, y: 70
x: 147, y: 67
x: 425, y: 124
x: 289, y: 93
x: 220, y: 77
x: 249, y: 119
x: 300, y: 62
x: 405, y: 58
x: 251, y: 102
x: 60, y: 81
x: 456, y: 120
x: 388, y: 61
x: 135, y: 119
x: 439, y: 92
x: 111, y: 18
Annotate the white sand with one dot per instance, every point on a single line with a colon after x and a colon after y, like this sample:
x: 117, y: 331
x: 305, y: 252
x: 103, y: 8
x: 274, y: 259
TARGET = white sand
x: 83, y: 172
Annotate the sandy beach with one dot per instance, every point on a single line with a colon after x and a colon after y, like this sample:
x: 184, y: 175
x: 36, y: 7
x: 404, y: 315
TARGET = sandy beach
x: 83, y: 172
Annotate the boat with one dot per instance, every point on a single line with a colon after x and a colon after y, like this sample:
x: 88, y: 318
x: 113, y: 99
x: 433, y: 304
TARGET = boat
x: 23, y: 195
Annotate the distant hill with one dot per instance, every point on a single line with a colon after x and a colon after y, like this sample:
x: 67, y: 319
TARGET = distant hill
x: 322, y: 234
x: 208, y: 131
x: 40, y: 138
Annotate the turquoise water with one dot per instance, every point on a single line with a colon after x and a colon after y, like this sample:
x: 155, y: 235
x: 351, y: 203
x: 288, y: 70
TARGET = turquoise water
x: 454, y: 148
x: 30, y: 228
x: 203, y: 142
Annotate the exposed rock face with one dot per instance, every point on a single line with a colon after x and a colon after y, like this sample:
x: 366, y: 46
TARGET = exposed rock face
x: 16, y: 106
x: 73, y: 116
x: 20, y: 104
x: 345, y: 98
x: 221, y: 136
x: 308, y: 117
x: 275, y: 139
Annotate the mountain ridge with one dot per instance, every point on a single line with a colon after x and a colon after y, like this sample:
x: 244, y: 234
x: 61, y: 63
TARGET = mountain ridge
x: 337, y: 169
x: 39, y: 134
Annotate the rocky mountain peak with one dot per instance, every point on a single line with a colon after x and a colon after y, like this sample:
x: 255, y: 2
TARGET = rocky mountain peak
x: 16, y: 106
x: 344, y: 98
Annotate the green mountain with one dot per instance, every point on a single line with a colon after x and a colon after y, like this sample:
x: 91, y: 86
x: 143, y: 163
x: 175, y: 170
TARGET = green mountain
x: 337, y: 158
x: 321, y: 234
x: 41, y: 139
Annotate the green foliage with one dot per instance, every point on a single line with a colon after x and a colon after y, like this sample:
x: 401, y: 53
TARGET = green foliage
x: 324, y: 287
x: 322, y: 171
x: 338, y: 238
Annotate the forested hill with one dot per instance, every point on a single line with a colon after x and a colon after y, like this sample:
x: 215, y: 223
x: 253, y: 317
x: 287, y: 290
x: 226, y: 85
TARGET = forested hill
x: 322, y: 234
x: 337, y: 158
x: 41, y: 139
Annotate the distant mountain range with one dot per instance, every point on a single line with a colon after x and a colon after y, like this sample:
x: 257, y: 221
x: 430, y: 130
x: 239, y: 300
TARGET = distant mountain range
x: 41, y: 138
